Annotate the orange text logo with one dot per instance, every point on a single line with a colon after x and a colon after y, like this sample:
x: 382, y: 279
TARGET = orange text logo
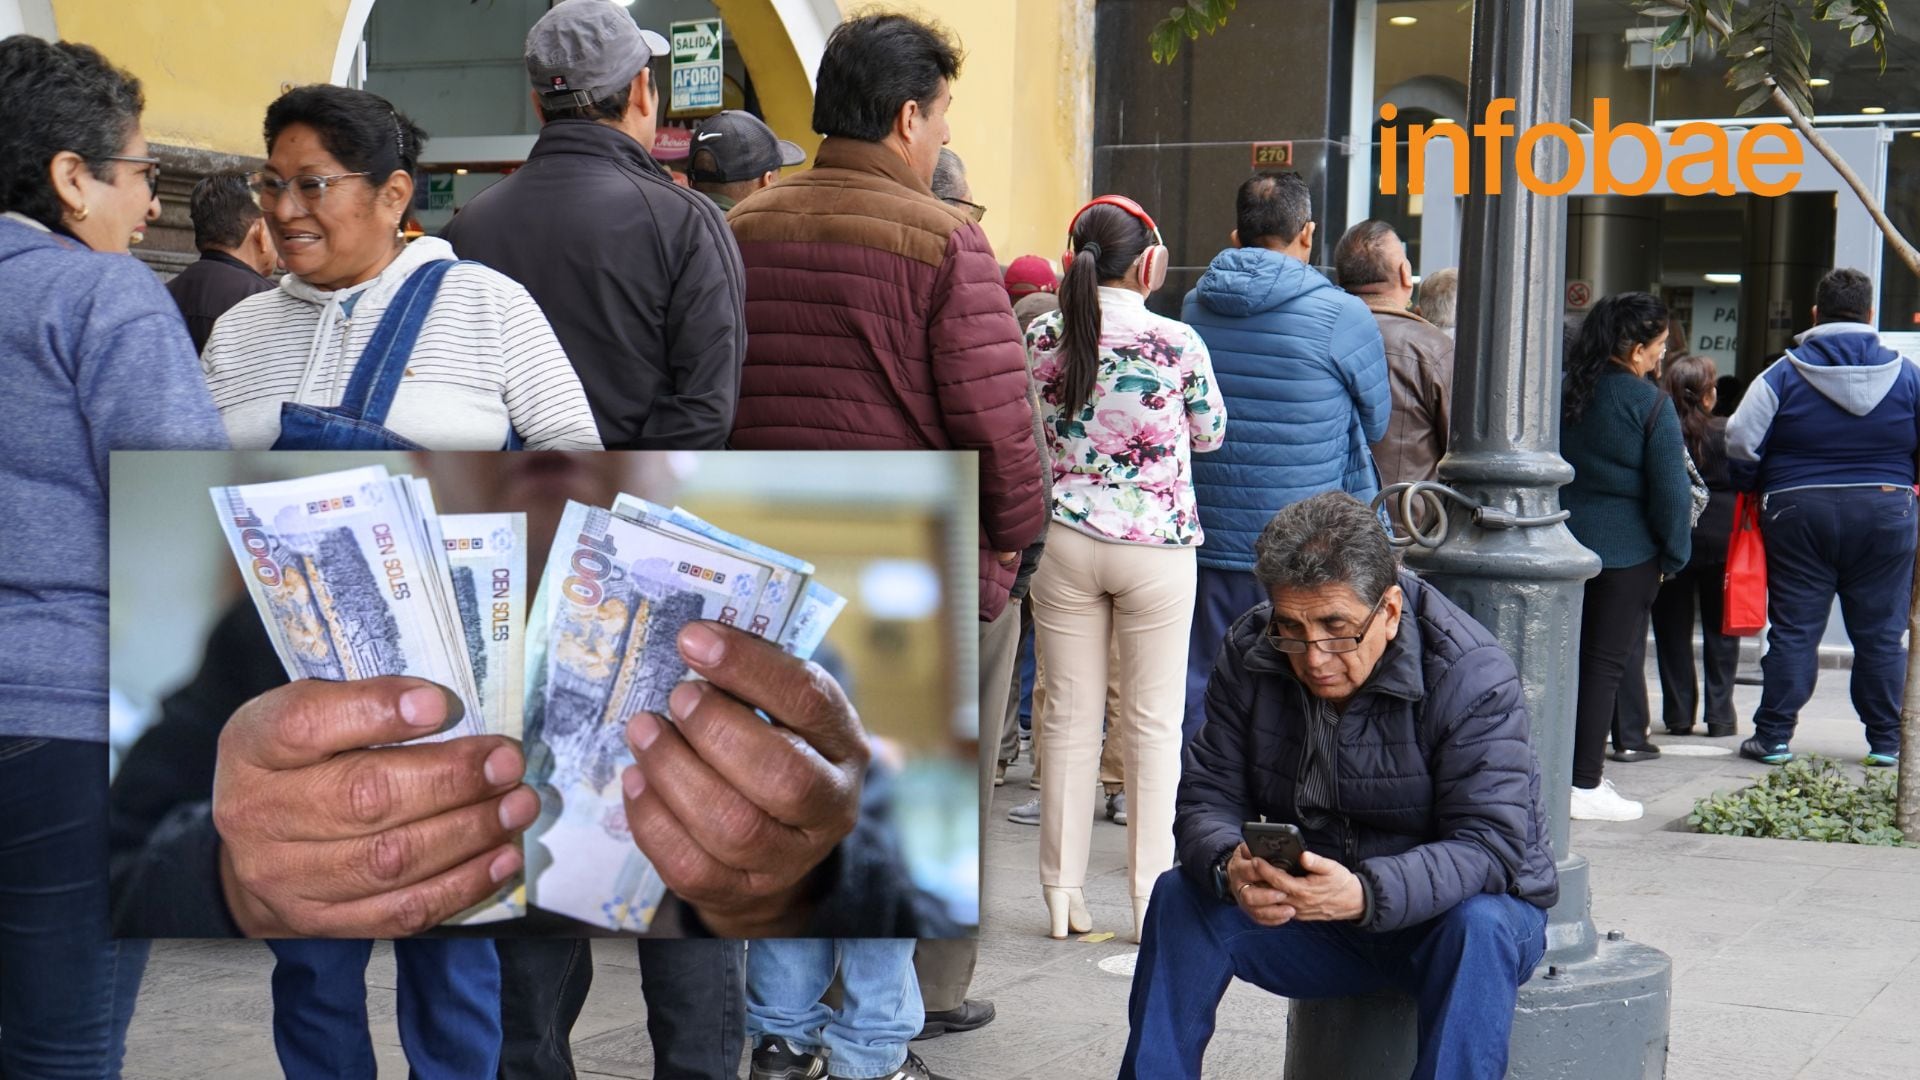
x: 1747, y: 158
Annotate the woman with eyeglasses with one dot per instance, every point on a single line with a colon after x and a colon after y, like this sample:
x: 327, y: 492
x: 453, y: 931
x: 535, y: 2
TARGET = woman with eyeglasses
x: 97, y: 359
x: 1631, y: 502
x: 371, y: 342
x: 1126, y: 397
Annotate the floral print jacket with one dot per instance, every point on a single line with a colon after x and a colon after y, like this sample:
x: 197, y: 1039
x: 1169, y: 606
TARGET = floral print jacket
x: 1122, y: 468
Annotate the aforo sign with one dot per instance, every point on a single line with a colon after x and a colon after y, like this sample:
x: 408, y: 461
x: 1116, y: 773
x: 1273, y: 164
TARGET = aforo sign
x: 1747, y: 158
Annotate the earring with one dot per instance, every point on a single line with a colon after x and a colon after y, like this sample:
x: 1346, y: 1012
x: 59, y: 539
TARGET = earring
x: 78, y: 215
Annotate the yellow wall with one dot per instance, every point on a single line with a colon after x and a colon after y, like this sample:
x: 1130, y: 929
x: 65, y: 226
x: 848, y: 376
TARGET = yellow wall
x: 779, y: 79
x: 209, y: 67
x: 1021, y: 117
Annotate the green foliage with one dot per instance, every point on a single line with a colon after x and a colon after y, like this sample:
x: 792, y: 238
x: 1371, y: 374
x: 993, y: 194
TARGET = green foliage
x: 1187, y: 21
x: 1809, y: 798
x: 1765, y: 41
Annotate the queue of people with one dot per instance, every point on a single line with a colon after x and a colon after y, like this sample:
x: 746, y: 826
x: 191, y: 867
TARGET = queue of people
x: 1178, y: 507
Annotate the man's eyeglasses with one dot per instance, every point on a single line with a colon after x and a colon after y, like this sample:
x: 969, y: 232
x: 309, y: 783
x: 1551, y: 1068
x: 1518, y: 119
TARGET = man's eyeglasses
x: 307, y: 188
x: 979, y: 212
x: 1327, y: 645
x: 153, y: 170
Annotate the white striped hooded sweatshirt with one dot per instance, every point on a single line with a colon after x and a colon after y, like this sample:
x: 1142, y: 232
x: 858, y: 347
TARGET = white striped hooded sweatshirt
x: 486, y: 358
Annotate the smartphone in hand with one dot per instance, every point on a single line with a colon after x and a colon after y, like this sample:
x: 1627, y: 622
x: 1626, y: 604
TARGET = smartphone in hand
x: 1280, y: 844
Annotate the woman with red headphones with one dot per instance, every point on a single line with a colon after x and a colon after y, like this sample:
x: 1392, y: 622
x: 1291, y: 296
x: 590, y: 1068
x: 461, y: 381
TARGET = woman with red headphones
x: 1126, y: 397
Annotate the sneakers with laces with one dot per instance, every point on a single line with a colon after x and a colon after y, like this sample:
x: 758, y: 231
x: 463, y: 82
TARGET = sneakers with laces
x: 1117, y: 808
x: 775, y: 1058
x: 1027, y: 813
x: 1603, y: 803
x: 1774, y: 754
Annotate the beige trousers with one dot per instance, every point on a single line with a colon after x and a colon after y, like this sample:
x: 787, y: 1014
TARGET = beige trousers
x: 1113, y: 772
x: 1089, y: 597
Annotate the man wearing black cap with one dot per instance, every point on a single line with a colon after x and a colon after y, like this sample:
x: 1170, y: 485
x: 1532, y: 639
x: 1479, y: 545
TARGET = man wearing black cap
x: 735, y: 154
x: 639, y: 277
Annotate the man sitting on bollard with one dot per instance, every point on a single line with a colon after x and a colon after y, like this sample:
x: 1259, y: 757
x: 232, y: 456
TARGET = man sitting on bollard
x: 1362, y: 707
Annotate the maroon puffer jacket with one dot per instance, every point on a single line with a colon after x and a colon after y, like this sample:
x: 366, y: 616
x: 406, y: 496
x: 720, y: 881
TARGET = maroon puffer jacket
x: 876, y: 320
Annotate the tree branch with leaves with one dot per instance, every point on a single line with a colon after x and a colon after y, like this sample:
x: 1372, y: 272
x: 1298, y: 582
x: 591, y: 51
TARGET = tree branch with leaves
x: 1773, y: 57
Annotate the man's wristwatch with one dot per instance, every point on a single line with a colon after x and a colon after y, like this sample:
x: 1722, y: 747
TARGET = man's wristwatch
x: 1220, y: 876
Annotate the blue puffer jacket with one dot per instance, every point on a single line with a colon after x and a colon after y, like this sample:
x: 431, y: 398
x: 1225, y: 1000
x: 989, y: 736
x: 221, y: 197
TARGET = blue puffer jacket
x: 1305, y: 379
x: 1437, y: 783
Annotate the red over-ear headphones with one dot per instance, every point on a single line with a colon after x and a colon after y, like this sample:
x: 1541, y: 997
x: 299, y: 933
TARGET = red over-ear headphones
x: 1153, y: 262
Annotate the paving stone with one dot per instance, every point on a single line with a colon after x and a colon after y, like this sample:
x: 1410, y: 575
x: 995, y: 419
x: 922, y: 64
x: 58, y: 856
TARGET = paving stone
x: 1723, y: 1042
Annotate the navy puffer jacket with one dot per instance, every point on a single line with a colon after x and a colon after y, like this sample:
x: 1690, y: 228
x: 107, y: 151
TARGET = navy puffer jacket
x: 1304, y: 374
x: 1437, y: 783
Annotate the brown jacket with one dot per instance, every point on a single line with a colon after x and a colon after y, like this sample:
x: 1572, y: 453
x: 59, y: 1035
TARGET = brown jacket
x: 876, y: 320
x: 1420, y: 377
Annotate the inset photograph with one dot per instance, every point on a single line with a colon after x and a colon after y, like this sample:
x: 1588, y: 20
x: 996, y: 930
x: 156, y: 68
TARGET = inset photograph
x: 681, y: 694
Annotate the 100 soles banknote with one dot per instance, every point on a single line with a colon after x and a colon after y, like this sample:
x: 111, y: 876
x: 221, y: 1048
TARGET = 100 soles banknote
x: 617, y: 590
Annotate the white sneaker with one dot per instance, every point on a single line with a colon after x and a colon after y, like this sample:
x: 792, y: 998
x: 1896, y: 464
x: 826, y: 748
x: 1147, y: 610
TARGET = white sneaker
x: 1603, y: 803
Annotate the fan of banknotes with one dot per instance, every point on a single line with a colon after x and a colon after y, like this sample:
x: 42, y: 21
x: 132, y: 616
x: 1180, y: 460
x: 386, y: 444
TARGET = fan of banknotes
x: 356, y: 575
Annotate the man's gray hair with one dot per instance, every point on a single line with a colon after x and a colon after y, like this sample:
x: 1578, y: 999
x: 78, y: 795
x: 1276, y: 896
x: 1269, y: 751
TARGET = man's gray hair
x: 950, y: 176
x: 1439, y: 294
x: 1329, y: 539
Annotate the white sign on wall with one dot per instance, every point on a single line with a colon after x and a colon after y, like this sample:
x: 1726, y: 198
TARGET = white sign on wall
x: 698, y: 74
x: 1716, y: 325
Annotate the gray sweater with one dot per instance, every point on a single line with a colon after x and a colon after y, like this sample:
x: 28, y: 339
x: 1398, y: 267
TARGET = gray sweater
x: 96, y: 359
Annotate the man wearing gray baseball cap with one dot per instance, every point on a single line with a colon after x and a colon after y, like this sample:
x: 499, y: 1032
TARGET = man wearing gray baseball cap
x: 639, y: 277
x: 642, y: 283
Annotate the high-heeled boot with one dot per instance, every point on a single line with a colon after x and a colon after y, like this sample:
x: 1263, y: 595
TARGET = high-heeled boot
x: 1066, y: 911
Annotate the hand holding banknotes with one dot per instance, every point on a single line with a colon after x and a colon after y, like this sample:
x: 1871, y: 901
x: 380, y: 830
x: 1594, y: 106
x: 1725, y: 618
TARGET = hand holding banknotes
x: 737, y: 814
x: 328, y: 831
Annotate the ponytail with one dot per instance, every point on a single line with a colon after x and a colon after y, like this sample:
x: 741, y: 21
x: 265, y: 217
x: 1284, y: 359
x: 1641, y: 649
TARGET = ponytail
x: 1080, y: 330
x: 1105, y: 242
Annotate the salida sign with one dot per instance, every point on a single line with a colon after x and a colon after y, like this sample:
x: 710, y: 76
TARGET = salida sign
x: 1747, y: 158
x: 697, y: 72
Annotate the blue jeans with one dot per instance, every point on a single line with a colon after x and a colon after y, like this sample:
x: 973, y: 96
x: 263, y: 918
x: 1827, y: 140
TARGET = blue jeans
x: 1857, y: 543
x: 1463, y: 968
x: 1220, y: 597
x: 1028, y: 671
x: 449, y: 1010
x: 67, y: 988
x: 881, y: 1010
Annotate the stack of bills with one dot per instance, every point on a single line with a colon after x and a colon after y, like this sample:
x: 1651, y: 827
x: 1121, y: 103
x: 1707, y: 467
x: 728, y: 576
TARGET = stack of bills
x: 619, y: 586
x: 356, y: 575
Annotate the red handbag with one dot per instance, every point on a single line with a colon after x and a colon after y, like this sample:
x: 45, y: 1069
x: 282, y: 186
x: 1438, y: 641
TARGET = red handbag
x: 1745, y: 611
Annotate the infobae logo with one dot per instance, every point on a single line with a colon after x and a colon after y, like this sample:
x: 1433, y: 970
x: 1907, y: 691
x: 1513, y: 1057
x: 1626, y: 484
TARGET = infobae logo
x: 1709, y: 151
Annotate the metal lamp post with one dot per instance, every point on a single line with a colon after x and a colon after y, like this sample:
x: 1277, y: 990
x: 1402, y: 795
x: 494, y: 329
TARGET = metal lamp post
x: 1596, y: 1009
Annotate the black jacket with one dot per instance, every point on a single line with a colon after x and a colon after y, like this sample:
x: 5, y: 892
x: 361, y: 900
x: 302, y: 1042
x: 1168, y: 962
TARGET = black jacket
x: 639, y: 277
x: 165, y: 853
x: 1715, y: 527
x: 1437, y: 783
x: 206, y: 289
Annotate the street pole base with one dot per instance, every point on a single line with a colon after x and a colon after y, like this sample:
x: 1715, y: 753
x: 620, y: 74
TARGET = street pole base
x: 1604, y: 1018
